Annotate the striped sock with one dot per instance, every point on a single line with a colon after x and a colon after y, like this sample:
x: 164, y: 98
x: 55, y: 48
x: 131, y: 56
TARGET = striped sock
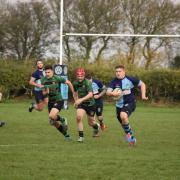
x: 127, y: 128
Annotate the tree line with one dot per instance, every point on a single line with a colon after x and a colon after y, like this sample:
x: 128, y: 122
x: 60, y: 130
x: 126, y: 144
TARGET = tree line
x: 30, y: 29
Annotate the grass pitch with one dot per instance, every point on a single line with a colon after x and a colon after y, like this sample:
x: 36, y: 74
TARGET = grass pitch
x: 32, y: 149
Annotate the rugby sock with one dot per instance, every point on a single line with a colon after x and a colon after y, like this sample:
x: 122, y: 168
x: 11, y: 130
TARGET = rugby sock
x: 101, y: 121
x: 95, y: 126
x: 61, y: 119
x: 81, y: 134
x: 127, y: 128
x: 61, y: 129
x: 58, y: 118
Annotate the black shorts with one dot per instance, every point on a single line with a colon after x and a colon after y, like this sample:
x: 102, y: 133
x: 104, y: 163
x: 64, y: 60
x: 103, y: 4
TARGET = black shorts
x: 39, y: 97
x: 90, y: 110
x: 99, y: 109
x: 127, y: 108
x: 58, y: 105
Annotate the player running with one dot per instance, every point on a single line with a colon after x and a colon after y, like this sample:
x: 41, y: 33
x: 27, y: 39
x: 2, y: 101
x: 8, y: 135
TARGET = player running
x: 35, y: 81
x: 127, y: 103
x: 99, y: 90
x: 51, y: 84
x: 2, y: 123
x: 84, y: 103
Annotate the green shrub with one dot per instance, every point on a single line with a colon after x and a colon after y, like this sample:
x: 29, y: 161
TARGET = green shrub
x: 161, y: 84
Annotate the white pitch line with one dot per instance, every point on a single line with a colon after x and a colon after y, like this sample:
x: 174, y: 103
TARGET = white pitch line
x: 15, y: 145
x: 126, y: 35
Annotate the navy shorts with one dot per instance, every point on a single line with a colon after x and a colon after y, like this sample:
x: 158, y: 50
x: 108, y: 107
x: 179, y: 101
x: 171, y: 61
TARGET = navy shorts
x: 39, y: 97
x: 90, y: 110
x: 127, y: 108
x: 99, y: 109
x: 58, y: 105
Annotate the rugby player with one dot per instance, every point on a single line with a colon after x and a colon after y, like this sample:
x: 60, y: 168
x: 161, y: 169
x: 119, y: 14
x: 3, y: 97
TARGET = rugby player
x: 51, y: 84
x: 84, y: 103
x: 126, y: 104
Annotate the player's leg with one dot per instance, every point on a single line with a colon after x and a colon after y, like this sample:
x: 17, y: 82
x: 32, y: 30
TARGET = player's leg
x: 41, y: 101
x: 99, y: 110
x: 90, y: 111
x: 55, y: 119
x: 123, y: 116
x: 45, y: 101
x: 79, y: 119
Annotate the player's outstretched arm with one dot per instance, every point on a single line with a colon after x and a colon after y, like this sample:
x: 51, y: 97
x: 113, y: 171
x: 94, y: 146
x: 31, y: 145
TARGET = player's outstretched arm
x: 143, y: 91
x: 71, y: 88
x: 103, y: 91
x: 32, y: 83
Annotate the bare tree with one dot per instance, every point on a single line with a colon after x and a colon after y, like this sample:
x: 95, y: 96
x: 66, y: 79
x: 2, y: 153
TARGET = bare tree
x: 148, y: 17
x: 96, y: 16
x: 3, y: 8
x: 27, y: 29
x: 133, y: 15
x: 161, y: 16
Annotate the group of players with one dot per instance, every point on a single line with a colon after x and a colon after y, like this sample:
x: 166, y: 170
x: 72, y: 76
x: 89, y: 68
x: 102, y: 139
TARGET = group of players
x: 87, y: 94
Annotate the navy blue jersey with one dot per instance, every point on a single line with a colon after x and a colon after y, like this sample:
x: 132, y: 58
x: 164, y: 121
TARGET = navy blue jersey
x: 127, y: 85
x: 97, y: 87
x: 37, y: 75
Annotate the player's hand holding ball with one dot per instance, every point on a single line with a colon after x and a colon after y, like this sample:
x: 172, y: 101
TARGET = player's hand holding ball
x: 117, y: 94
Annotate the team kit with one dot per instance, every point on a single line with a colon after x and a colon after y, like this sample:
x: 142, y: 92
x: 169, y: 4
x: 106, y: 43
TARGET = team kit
x: 87, y: 94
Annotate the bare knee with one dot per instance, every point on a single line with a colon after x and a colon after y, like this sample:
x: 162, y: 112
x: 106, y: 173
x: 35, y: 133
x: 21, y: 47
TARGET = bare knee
x: 124, y: 117
x: 78, y: 119
x: 51, y: 116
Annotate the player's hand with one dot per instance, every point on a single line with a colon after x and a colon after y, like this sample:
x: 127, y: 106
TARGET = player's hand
x: 46, y: 91
x: 96, y: 96
x: 39, y: 85
x: 75, y: 106
x: 77, y: 102
x: 144, y: 98
x: 116, y: 93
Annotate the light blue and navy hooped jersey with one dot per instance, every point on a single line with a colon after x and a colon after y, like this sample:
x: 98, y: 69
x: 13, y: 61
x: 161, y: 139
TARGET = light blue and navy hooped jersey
x: 97, y: 87
x: 127, y: 85
x: 38, y: 75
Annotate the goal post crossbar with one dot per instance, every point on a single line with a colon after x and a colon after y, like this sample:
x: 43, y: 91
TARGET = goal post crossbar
x: 126, y: 35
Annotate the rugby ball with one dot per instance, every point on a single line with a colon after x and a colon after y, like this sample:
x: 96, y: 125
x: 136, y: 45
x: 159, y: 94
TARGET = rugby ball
x: 120, y: 94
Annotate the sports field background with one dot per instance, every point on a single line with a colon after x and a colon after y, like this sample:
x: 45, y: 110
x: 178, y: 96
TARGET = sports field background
x: 32, y: 149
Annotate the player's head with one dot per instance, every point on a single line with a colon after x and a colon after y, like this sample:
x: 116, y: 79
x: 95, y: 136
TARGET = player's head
x: 120, y: 71
x: 49, y: 71
x: 80, y: 74
x: 39, y: 64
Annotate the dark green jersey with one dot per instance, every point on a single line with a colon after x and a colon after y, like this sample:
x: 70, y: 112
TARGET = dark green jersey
x: 83, y: 88
x: 54, y: 87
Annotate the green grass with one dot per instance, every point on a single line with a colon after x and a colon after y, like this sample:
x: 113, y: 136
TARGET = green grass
x: 32, y: 149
